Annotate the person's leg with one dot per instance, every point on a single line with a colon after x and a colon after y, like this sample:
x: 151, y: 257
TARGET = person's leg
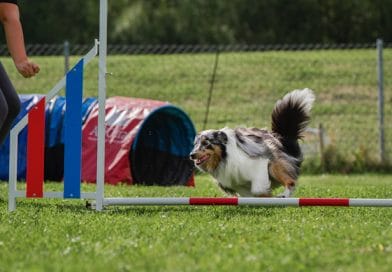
x: 10, y: 107
x: 3, y: 113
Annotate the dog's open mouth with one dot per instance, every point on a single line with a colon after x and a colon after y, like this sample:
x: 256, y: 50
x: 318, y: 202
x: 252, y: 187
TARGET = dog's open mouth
x: 202, y: 159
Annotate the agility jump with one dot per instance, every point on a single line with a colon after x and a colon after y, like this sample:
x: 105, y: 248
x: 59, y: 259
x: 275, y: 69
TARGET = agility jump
x: 250, y: 201
x: 35, y: 120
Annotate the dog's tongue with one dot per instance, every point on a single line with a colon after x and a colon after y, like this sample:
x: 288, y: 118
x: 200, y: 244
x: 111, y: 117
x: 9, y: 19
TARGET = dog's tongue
x: 202, y: 159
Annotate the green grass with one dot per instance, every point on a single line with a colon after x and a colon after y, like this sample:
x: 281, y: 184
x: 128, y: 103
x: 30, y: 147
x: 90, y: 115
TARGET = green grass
x: 54, y: 235
x: 246, y: 87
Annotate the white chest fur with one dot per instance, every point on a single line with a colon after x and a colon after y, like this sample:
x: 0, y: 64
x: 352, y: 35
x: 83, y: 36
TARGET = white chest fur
x: 247, y: 176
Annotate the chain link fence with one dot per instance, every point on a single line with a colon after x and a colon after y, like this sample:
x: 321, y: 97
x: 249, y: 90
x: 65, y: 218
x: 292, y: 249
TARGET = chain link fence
x: 121, y: 49
x: 237, y: 85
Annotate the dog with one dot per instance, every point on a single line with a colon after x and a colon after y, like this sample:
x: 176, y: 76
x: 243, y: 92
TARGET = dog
x: 251, y: 162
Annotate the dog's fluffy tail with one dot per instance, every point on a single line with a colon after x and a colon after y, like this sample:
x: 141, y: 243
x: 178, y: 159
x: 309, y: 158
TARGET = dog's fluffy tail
x: 290, y: 117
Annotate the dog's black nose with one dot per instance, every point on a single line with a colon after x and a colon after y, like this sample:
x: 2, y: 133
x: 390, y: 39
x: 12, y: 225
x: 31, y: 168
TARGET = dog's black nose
x: 192, y: 155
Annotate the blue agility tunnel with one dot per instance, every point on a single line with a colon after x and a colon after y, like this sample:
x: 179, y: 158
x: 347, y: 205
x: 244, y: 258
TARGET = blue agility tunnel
x: 55, y: 127
x: 27, y: 102
x: 161, y: 148
x: 54, y: 137
x: 147, y: 142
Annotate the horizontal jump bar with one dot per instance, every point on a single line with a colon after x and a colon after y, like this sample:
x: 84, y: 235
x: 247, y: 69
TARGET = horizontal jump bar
x: 251, y: 201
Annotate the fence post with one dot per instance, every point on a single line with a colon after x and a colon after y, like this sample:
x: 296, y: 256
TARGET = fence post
x: 66, y: 57
x: 380, y: 80
x: 322, y: 145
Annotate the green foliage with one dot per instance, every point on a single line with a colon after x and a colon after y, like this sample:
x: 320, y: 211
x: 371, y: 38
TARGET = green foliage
x: 206, y: 21
x: 60, y: 20
x: 360, y: 161
x: 56, y: 235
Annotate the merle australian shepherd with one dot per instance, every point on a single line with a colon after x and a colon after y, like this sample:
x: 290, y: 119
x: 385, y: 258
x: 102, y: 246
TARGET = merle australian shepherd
x: 250, y: 162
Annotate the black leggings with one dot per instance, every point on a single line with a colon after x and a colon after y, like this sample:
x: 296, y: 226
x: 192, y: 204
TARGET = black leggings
x: 9, y: 104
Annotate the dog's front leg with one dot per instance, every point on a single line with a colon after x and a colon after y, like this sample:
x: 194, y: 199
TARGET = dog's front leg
x: 288, y: 192
x: 261, y: 184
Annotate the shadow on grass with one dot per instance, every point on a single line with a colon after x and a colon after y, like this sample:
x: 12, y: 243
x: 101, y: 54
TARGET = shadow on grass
x: 214, y: 211
x: 57, y: 207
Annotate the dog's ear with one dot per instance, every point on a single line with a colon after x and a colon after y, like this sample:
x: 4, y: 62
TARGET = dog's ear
x: 197, y: 139
x: 220, y: 136
x: 197, y: 136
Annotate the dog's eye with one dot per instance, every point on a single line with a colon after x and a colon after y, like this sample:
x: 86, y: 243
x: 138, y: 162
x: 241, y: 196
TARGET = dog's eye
x: 205, y: 143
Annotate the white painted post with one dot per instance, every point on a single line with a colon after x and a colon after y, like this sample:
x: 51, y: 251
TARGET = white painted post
x: 13, y: 164
x: 103, y: 12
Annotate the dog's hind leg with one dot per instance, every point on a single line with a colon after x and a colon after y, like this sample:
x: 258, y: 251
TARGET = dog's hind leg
x: 284, y: 173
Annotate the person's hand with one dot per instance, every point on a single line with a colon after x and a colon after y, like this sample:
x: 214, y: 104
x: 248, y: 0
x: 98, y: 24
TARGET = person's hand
x: 27, y: 68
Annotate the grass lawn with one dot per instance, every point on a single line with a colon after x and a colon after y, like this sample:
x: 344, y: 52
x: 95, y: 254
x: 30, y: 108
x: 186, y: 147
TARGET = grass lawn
x: 53, y: 235
x: 246, y: 86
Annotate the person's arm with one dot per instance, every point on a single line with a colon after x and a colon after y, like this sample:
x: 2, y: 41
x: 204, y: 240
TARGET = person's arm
x: 9, y: 16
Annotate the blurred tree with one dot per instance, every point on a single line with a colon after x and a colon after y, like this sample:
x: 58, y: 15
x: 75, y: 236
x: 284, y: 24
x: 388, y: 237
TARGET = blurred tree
x: 253, y: 21
x: 59, y: 20
x: 209, y: 21
x: 176, y: 21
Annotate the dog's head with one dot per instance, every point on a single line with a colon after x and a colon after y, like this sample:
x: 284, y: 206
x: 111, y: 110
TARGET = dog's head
x: 209, y: 149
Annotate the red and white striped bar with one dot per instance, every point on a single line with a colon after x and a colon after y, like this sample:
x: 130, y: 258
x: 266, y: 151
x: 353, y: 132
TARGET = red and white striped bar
x: 249, y: 201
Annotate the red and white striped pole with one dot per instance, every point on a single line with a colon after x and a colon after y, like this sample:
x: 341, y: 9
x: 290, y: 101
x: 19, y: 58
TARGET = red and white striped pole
x: 250, y: 201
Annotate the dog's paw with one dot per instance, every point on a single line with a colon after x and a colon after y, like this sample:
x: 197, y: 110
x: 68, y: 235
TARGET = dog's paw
x: 288, y: 192
x: 282, y: 195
